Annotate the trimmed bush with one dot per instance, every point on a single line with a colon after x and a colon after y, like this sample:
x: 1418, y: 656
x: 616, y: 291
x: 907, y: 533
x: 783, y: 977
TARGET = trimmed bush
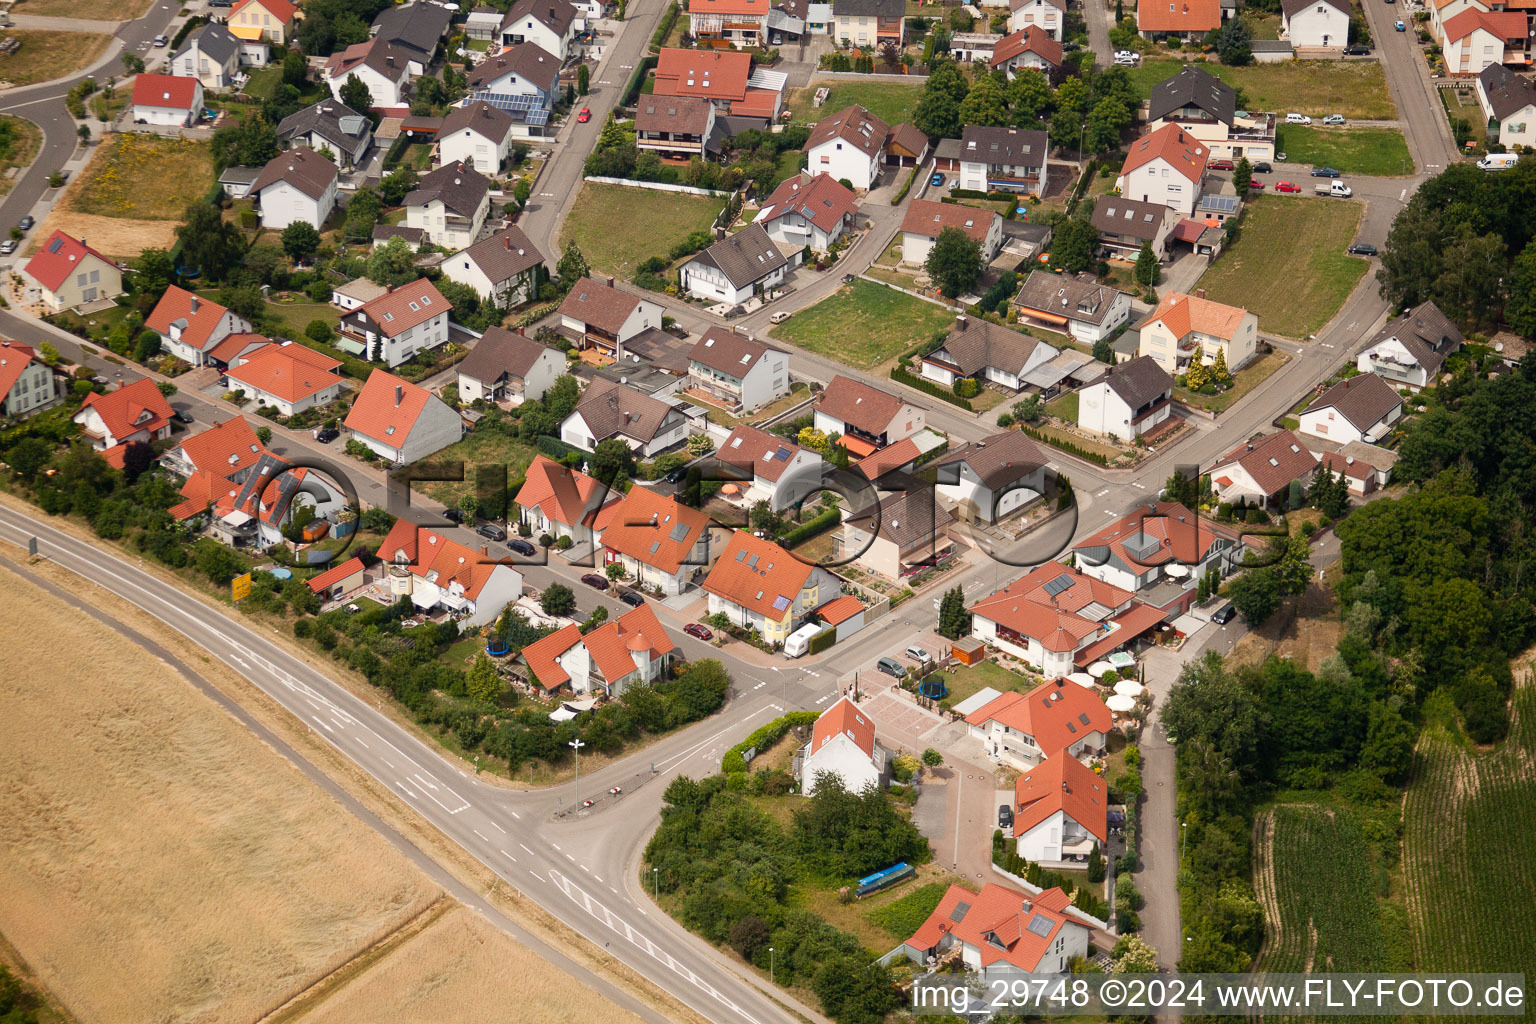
x: 734, y: 764
x: 929, y: 387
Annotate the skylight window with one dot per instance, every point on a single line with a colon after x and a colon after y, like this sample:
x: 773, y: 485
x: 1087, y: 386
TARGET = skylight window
x: 388, y: 317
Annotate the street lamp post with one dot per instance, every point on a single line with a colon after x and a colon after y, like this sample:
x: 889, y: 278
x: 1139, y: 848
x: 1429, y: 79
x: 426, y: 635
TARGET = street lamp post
x: 576, y: 745
x: 1183, y: 836
x: 770, y: 965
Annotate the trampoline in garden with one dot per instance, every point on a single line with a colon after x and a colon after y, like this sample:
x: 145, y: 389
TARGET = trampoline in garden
x: 496, y: 647
x: 933, y: 688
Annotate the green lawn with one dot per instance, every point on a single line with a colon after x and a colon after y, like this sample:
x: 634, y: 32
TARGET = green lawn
x: 617, y: 228
x: 1462, y: 103
x: 1243, y: 381
x: 1356, y: 89
x: 1380, y: 152
x: 480, y: 448
x: 864, y: 324
x: 966, y: 681
x: 891, y: 102
x: 1289, y: 265
x: 1065, y: 407
x: 263, y: 82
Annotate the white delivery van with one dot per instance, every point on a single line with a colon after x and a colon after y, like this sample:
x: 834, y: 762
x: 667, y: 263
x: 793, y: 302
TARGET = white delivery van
x: 800, y: 640
x: 1498, y: 161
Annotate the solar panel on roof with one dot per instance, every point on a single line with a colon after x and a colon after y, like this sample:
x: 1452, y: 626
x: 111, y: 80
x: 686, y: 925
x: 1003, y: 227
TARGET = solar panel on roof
x: 655, y: 546
x: 780, y: 603
x: 1041, y: 925
x: 56, y: 245
x: 958, y: 914
x: 679, y: 531
x: 782, y: 454
x: 1060, y: 583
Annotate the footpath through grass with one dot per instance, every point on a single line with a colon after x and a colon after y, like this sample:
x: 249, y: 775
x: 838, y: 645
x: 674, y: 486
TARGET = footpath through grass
x: 1289, y: 265
x: 891, y: 102
x: 1379, y: 152
x: 617, y: 228
x: 864, y: 324
x: 1356, y: 89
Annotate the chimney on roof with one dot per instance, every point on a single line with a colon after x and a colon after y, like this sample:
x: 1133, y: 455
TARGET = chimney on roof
x: 399, y: 395
x: 508, y: 240
x: 486, y: 551
x: 194, y: 303
x: 1199, y: 293
x: 960, y: 323
x: 627, y: 415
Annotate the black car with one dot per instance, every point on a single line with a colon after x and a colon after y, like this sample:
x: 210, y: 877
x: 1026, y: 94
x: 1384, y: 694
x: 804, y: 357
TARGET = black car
x: 453, y: 515
x: 1223, y: 615
x: 26, y: 223
x: 522, y: 547
x: 325, y: 435
x: 632, y: 599
x: 181, y: 417
x: 1357, y: 51
x: 490, y: 531
x: 1362, y: 249
x: 1262, y: 167
x: 1004, y: 816
x: 595, y: 581
x: 1324, y: 172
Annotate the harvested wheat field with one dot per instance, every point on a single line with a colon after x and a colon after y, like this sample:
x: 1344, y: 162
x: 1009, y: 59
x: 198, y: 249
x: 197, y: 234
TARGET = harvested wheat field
x: 159, y: 863
x: 112, y: 236
x: 465, y: 970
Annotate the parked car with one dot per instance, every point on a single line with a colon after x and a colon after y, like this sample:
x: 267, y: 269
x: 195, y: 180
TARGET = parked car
x: 1287, y: 186
x: 162, y: 40
x: 698, y: 632
x: 1334, y: 119
x: 595, y: 581
x: 1325, y: 172
x: 7, y: 247
x: 584, y: 115
x: 936, y: 180
x: 919, y: 655
x: 325, y: 435
x: 1362, y: 249
x: 1127, y: 62
x: 453, y: 515
x: 891, y: 667
x: 490, y: 531
x: 181, y: 416
x: 1255, y: 184
x: 1294, y: 118
x: 1357, y: 51
x: 1398, y: 24
x: 26, y: 223
x: 632, y: 599
x: 779, y: 317
x: 1262, y: 167
x: 518, y: 546
x: 1220, y: 165
x: 1004, y: 816
x: 1223, y: 615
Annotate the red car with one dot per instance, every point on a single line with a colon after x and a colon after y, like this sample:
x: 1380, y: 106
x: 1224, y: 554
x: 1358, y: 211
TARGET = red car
x: 1220, y: 165
x: 693, y: 629
x: 584, y: 115
x: 1255, y: 184
x: 1286, y: 186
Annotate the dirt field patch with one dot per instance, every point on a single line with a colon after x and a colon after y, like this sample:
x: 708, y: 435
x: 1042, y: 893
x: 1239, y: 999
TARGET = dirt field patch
x: 142, y: 177
x: 92, y: 10
x: 148, y: 828
x: 463, y: 969
x: 113, y: 236
x: 1306, y: 629
x: 48, y: 55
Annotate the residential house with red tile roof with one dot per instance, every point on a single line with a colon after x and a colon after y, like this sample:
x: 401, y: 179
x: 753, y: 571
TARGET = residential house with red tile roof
x: 843, y: 745
x: 267, y: 20
x: 69, y: 273
x: 1166, y: 166
x: 661, y: 543
x: 925, y: 219
x: 564, y: 502
x: 1184, y: 19
x: 190, y: 325
x: 1183, y: 328
x: 1059, y: 719
x: 167, y: 100
x: 758, y: 585
x: 630, y: 650
x: 1030, y: 47
x: 738, y: 23
x: 288, y: 377
x: 1000, y: 932
x: 848, y: 145
x: 777, y: 471
x: 380, y: 65
x: 737, y: 371
x: 294, y: 186
x: 897, y: 458
x: 804, y: 210
x: 595, y: 314
x: 867, y: 418
x: 400, y: 323
x: 1475, y: 39
x: 401, y: 421
x: 440, y: 574
x: 26, y: 383
x: 727, y: 78
x: 1058, y: 619
x: 1260, y: 472
x: 134, y: 413
x: 340, y: 579
x: 1159, y: 551
x: 1060, y: 812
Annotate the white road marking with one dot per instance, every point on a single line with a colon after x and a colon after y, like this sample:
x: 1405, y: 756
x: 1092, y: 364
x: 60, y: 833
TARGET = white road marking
x: 570, y: 858
x: 363, y: 745
x: 316, y: 720
x: 555, y: 845
x: 526, y: 850
x: 499, y: 828
x: 514, y: 814
x: 596, y: 876
x: 479, y: 833
x: 535, y: 874
x: 509, y: 857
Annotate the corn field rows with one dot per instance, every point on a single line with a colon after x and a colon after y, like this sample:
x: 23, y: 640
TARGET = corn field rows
x: 1468, y: 857
x: 1318, y: 880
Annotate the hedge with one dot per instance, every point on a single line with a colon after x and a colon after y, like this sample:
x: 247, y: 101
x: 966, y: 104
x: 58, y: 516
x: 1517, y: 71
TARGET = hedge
x: 1066, y: 446
x: 637, y: 79
x: 734, y: 763
x: 667, y: 21
x: 555, y: 448
x: 932, y: 453
x: 821, y: 641
x: 906, y: 187
x: 929, y: 387
x: 820, y: 523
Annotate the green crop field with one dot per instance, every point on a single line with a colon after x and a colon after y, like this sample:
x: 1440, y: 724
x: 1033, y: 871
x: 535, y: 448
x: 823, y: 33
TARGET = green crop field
x: 1467, y: 854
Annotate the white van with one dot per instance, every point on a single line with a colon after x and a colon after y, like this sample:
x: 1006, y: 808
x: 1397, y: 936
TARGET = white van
x: 799, y: 641
x: 1498, y: 161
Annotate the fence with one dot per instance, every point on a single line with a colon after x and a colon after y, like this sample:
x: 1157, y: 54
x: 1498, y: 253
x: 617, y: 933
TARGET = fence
x: 657, y: 186
x: 1075, y: 911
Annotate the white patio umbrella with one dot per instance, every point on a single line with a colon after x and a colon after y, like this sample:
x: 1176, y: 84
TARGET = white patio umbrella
x: 1098, y: 668
x: 1120, y: 702
x: 1129, y: 688
x: 1081, y: 678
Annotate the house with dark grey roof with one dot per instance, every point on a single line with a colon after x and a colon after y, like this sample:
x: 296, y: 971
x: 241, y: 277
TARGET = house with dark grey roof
x: 237, y: 180
x: 508, y: 366
x: 1509, y: 104
x: 523, y: 81
x: 450, y: 205
x: 1125, y: 225
x: 737, y: 370
x: 984, y: 351
x: 299, y: 185
x: 417, y: 28
x: 904, y: 532
x: 609, y: 410
x: 1129, y: 400
x: 477, y: 134
x: 211, y: 55
x: 869, y: 22
x: 677, y: 127
x: 330, y: 124
x: 1410, y: 350
x: 1003, y: 159
x: 379, y: 64
x: 736, y: 267
x: 991, y: 479
x: 1361, y: 408
x: 1088, y: 310
x: 1205, y: 107
x: 548, y: 24
x: 502, y: 269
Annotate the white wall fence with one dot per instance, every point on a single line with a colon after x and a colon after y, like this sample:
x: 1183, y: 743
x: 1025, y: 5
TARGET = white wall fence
x: 657, y: 186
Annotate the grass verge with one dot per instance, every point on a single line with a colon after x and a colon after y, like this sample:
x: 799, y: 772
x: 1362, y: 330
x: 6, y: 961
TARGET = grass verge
x: 1356, y: 89
x: 617, y: 228
x: 18, y: 150
x: 142, y: 177
x: 864, y: 324
x: 1379, y: 152
x: 891, y: 102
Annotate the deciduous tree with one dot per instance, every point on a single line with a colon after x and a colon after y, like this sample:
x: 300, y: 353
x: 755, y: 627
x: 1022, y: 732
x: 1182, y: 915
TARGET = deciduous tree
x: 954, y: 262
